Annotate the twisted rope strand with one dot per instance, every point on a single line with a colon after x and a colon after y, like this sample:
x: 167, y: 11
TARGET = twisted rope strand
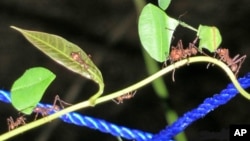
x: 106, y: 127
x: 203, y: 109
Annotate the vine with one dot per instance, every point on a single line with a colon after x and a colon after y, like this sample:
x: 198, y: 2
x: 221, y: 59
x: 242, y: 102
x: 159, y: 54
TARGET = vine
x: 134, y: 87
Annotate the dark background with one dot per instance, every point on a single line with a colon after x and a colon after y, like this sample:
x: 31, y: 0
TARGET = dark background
x: 108, y: 31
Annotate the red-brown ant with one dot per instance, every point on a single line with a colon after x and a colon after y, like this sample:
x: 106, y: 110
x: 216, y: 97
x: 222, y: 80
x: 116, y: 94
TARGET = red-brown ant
x: 43, y: 111
x: 178, y: 53
x: 77, y: 57
x: 14, y: 124
x: 120, y: 99
x: 234, y: 63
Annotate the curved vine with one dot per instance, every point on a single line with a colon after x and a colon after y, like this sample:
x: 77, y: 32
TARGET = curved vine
x: 133, y: 87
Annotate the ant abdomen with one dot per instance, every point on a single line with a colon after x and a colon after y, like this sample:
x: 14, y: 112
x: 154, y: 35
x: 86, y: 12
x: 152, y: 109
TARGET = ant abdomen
x: 234, y: 63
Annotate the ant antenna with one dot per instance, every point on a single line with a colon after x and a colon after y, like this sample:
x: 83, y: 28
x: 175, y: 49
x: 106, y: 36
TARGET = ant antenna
x: 182, y: 15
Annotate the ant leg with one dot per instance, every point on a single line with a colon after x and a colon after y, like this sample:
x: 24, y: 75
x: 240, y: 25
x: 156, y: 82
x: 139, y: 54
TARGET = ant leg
x: 61, y: 102
x: 233, y: 63
x: 133, y: 93
x: 117, y: 101
x: 10, y: 123
x: 192, y: 45
x: 164, y: 64
x: 180, y: 45
x: 240, y: 61
x: 236, y: 59
x: 195, y: 40
x: 36, y: 116
x: 210, y: 63
x: 22, y: 120
x: 173, y: 75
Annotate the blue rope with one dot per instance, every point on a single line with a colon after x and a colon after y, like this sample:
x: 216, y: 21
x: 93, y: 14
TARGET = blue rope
x: 167, y: 134
x: 207, y: 106
x: 93, y: 123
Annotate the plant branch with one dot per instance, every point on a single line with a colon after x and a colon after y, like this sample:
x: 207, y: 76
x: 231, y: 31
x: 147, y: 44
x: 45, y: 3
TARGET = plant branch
x: 136, y: 86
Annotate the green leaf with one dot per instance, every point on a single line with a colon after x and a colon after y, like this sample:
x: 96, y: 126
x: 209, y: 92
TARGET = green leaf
x: 28, y: 90
x: 64, y: 52
x: 155, y: 31
x: 163, y: 4
x: 67, y: 54
x: 210, y: 37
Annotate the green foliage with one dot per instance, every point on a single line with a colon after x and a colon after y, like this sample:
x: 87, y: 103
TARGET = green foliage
x: 28, y: 90
x: 67, y: 54
x: 210, y: 37
x: 64, y: 52
x: 163, y: 4
x: 155, y: 31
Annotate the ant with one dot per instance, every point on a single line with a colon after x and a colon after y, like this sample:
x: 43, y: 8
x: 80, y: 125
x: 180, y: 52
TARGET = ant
x: 178, y: 53
x: 14, y: 124
x: 120, y: 99
x: 77, y: 57
x: 43, y: 111
x: 234, y: 63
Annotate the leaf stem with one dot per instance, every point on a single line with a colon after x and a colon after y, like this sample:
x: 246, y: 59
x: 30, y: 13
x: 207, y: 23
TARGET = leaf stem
x: 136, y: 86
x: 93, y: 98
x: 188, y: 26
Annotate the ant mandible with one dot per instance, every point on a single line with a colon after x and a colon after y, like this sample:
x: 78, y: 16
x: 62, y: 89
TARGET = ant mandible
x: 14, y: 124
x: 120, y: 99
x: 234, y: 63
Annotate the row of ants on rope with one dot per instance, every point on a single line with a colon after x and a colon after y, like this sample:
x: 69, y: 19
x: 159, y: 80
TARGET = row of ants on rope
x: 177, y: 53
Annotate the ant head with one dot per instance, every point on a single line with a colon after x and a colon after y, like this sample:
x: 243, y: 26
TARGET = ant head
x: 222, y: 51
x: 37, y: 109
x: 56, y: 108
x: 194, y: 50
x: 75, y: 55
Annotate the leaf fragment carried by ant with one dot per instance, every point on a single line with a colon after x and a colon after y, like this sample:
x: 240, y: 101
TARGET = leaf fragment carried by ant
x: 210, y: 37
x: 163, y: 4
x: 28, y: 89
x: 63, y: 52
x: 156, y: 30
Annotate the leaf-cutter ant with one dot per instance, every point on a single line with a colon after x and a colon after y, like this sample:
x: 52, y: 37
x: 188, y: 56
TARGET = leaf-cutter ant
x: 14, y: 124
x: 234, y: 63
x: 77, y: 57
x: 178, y: 53
x: 44, y: 111
x: 120, y: 99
